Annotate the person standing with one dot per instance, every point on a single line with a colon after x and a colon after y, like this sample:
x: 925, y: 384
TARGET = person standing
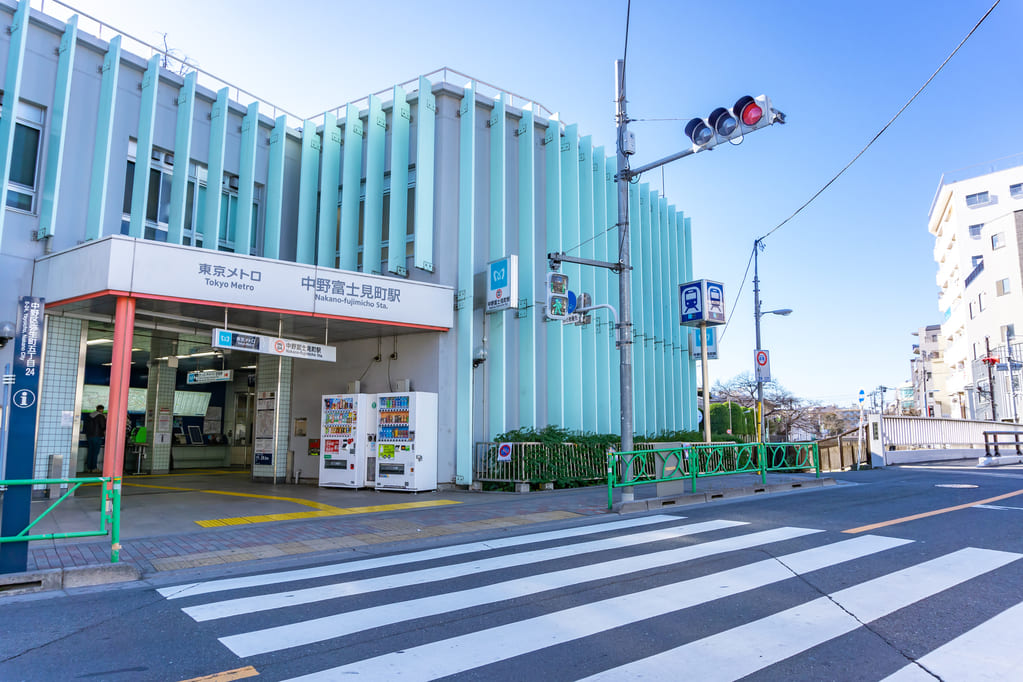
x: 95, y: 430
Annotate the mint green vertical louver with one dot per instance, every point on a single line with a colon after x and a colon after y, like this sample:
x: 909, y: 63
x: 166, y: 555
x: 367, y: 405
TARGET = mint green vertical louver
x: 58, y: 129
x: 351, y: 179
x: 465, y: 292
x: 215, y: 176
x: 554, y: 375
x: 527, y: 315
x: 12, y: 94
x: 637, y: 234
x: 397, y: 227
x: 603, y: 322
x: 587, y: 284
x: 244, y: 236
x: 497, y: 365
x: 101, y: 143
x: 572, y: 345
x: 305, y: 241
x: 275, y: 189
x: 426, y: 125
x: 182, y: 154
x: 373, y: 214
x: 144, y: 148
x: 326, y: 238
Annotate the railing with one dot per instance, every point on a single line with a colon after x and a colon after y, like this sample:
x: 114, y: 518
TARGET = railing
x: 844, y: 451
x: 939, y: 431
x: 110, y: 512
x: 700, y: 461
x: 540, y: 463
x: 993, y: 441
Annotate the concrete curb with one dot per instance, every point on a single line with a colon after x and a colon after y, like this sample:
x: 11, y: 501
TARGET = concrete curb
x: 655, y: 503
x: 66, y: 578
x: 999, y: 460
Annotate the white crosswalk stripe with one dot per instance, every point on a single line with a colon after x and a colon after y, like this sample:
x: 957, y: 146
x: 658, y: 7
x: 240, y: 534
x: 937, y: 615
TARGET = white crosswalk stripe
x: 319, y: 629
x: 989, y: 651
x: 193, y: 589
x: 265, y: 602
x: 602, y: 589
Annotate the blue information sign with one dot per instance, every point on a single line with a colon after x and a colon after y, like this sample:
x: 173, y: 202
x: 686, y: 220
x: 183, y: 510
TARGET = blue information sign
x: 21, y: 438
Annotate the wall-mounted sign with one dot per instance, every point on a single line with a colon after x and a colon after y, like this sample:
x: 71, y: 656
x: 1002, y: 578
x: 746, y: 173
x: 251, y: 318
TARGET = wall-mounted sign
x: 503, y: 284
x: 270, y: 345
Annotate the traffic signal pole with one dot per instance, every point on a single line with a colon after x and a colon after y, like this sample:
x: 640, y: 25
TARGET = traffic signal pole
x: 624, y: 272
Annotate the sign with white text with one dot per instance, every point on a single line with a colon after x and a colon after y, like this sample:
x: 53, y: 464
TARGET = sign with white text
x: 269, y: 345
x: 503, y: 284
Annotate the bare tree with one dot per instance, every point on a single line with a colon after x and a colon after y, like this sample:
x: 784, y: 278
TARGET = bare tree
x: 175, y: 60
x: 783, y: 411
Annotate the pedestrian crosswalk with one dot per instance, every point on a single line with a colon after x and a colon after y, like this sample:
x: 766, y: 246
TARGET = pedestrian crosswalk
x: 451, y: 610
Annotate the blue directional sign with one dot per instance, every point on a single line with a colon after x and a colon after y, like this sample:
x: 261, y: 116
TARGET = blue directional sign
x: 702, y: 303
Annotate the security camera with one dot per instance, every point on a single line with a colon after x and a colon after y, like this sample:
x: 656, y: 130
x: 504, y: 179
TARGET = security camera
x: 6, y: 333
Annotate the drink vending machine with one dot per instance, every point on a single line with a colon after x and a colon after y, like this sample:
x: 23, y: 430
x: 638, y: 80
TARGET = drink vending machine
x: 406, y: 444
x: 347, y: 432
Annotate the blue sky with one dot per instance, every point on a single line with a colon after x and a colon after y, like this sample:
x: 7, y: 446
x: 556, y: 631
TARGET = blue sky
x: 856, y: 266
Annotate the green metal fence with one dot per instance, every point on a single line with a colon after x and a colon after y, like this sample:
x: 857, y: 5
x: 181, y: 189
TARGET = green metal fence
x: 700, y: 461
x: 110, y: 511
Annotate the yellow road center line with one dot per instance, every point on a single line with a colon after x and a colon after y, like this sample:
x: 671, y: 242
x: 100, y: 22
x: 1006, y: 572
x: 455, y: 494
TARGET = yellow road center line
x: 914, y: 517
x: 227, y: 675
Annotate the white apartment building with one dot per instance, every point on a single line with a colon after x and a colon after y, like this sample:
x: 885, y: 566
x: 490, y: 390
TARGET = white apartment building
x: 929, y: 375
x: 977, y: 222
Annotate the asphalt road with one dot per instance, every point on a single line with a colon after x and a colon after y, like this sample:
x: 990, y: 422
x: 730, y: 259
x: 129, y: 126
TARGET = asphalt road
x: 894, y: 573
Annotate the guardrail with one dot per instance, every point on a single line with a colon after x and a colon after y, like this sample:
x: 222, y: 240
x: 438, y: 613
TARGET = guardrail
x: 700, y: 461
x: 540, y: 463
x: 110, y: 511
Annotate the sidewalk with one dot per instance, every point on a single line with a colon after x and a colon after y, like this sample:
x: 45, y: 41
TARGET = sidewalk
x: 184, y: 521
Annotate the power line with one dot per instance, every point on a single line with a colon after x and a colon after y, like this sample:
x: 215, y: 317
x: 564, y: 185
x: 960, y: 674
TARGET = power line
x: 721, y: 337
x: 886, y: 125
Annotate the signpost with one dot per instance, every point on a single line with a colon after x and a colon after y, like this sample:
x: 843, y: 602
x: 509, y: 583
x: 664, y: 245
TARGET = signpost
x: 859, y: 431
x: 762, y: 361
x: 702, y: 304
x: 21, y: 433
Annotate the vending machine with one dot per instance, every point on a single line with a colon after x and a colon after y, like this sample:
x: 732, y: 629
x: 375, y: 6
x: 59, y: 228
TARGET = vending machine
x: 406, y: 443
x: 347, y: 432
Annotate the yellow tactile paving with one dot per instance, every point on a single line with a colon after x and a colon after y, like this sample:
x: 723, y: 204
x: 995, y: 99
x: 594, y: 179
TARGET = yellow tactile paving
x: 323, y: 511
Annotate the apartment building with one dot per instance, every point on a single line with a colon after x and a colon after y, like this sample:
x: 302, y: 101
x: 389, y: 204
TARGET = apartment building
x: 977, y: 222
x: 928, y: 374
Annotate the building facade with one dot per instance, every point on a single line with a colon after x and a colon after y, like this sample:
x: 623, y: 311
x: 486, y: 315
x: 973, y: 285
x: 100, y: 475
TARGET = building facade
x: 977, y: 222
x: 928, y: 375
x: 148, y: 209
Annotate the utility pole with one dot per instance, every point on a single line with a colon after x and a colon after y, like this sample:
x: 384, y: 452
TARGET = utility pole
x: 756, y: 322
x: 990, y: 377
x: 624, y: 272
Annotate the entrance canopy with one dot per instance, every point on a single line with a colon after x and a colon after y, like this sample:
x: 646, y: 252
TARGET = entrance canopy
x: 183, y: 287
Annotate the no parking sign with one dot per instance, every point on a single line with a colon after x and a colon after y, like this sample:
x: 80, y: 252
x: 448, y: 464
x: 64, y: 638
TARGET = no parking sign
x: 504, y: 452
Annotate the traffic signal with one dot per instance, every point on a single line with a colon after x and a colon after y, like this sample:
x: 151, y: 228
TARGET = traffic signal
x: 557, y: 296
x: 748, y: 114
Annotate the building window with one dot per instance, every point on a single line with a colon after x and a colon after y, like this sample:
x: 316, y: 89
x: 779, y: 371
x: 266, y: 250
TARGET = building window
x: 997, y: 240
x: 405, y: 242
x: 973, y: 311
x: 975, y: 230
x: 1016, y: 191
x: 158, y: 205
x: 976, y: 260
x: 1002, y: 287
x: 978, y: 199
x: 1008, y: 332
x: 28, y: 131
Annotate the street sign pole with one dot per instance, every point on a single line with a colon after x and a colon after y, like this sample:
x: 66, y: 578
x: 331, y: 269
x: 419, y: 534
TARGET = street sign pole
x: 705, y: 365
x: 624, y: 274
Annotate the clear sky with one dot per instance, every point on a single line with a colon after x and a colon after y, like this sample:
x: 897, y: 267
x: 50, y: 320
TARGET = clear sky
x: 856, y: 266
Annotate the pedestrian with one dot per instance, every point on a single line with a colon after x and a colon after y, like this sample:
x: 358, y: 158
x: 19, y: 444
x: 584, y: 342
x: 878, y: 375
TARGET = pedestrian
x: 95, y: 430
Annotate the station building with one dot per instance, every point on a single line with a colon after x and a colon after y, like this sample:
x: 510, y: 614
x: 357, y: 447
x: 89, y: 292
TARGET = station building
x: 145, y: 209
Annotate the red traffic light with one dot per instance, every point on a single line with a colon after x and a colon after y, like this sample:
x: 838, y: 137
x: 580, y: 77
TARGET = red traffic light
x: 990, y: 360
x: 748, y: 111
